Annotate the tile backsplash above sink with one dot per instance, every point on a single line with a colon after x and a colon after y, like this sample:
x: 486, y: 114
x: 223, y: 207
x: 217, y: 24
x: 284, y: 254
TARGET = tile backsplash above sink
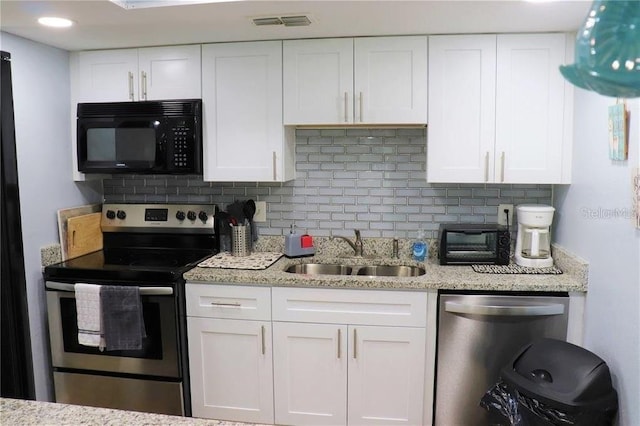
x: 368, y: 179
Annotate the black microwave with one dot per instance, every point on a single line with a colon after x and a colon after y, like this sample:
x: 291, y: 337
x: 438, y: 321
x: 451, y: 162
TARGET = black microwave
x: 467, y: 244
x: 155, y: 137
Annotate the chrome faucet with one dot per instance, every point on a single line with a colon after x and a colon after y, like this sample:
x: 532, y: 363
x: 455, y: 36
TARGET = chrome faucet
x: 357, y: 246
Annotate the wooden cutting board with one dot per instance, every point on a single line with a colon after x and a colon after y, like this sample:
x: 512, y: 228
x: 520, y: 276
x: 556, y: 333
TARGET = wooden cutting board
x: 64, y: 215
x: 83, y: 234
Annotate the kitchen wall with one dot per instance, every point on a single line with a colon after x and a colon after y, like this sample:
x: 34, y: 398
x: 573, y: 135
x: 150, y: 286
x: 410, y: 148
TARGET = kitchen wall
x: 594, y: 221
x: 41, y: 102
x: 369, y: 179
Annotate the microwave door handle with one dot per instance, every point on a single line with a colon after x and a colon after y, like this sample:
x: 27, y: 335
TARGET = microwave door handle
x: 144, y: 291
x: 505, y: 310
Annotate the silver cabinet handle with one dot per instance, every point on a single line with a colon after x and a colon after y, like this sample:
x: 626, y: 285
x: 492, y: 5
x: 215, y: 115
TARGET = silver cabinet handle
x: 502, y: 166
x: 346, y: 107
x: 361, y: 104
x: 275, y: 177
x: 131, y: 95
x: 226, y: 305
x: 263, y: 342
x: 486, y: 166
x: 500, y: 310
x: 339, y: 339
x: 355, y: 343
x: 144, y: 291
x: 143, y: 78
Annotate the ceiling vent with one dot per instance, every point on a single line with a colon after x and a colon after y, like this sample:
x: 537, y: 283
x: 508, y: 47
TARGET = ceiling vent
x: 287, y: 21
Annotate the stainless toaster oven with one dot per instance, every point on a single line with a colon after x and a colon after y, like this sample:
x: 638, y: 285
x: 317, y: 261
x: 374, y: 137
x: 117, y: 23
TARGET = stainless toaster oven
x: 466, y: 244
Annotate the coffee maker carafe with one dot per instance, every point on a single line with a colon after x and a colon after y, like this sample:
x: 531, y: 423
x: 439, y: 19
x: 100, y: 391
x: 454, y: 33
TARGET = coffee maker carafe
x: 533, y: 244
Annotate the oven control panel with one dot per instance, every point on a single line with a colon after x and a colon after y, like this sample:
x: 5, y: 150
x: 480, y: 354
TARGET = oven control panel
x: 194, y: 218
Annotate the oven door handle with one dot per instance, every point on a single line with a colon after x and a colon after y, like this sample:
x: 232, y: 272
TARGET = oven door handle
x: 144, y: 291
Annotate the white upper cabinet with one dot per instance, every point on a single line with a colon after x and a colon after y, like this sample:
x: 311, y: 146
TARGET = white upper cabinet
x: 107, y: 75
x: 172, y: 72
x: 152, y: 73
x: 390, y: 80
x: 377, y: 80
x: 530, y: 108
x: 499, y: 110
x: 244, y: 139
x: 461, y: 129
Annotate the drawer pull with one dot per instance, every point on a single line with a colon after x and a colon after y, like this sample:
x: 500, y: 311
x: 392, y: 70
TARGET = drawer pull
x: 226, y: 305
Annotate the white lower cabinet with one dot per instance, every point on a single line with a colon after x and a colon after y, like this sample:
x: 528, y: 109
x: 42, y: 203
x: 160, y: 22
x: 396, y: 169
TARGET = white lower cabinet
x: 310, y: 370
x: 386, y: 375
x: 351, y: 357
x: 304, y: 356
x: 230, y: 360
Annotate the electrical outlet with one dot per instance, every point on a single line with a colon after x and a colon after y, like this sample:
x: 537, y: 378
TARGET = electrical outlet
x: 261, y: 212
x: 502, y: 217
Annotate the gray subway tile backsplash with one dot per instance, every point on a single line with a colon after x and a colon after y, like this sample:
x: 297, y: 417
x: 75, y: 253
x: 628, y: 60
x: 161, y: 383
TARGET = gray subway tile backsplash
x: 370, y: 179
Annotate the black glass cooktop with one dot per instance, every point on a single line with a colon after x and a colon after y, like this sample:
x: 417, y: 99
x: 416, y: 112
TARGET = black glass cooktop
x: 128, y: 264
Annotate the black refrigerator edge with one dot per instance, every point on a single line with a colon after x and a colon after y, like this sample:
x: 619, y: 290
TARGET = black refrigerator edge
x: 16, y: 364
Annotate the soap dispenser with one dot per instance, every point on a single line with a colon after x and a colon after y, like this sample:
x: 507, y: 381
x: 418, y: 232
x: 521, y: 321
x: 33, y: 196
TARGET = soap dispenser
x: 297, y: 245
x: 420, y: 247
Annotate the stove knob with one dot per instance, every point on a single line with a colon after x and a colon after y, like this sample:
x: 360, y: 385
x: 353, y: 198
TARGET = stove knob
x: 180, y: 215
x: 203, y: 216
x: 191, y: 215
x: 111, y: 214
x: 121, y: 214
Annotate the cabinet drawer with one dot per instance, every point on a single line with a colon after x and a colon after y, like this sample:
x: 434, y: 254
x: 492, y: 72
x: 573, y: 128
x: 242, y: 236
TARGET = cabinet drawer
x: 394, y: 308
x: 228, y: 301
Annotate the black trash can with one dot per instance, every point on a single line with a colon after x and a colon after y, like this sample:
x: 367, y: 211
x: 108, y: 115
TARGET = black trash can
x: 552, y: 382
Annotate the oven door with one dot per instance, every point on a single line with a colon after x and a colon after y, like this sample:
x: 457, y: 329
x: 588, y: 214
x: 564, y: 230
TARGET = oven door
x: 159, y: 353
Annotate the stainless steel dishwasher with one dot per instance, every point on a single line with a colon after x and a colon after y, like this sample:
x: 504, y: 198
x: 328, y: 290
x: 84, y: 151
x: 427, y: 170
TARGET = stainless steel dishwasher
x: 478, y: 334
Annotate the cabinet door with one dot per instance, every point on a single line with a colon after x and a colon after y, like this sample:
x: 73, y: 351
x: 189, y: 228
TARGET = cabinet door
x: 529, y: 108
x: 461, y: 129
x: 171, y: 72
x: 231, y: 369
x: 386, y: 375
x: 108, y: 75
x: 310, y: 371
x: 242, y: 97
x: 390, y: 79
x: 318, y: 81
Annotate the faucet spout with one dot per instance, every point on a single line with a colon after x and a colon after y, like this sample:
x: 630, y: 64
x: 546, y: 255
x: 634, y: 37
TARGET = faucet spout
x: 357, y: 245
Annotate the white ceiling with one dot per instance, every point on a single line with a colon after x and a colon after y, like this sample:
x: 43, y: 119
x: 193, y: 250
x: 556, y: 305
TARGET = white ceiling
x: 101, y: 24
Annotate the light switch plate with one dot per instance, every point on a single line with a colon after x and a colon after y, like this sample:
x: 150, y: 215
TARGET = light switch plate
x: 261, y: 212
x: 502, y: 218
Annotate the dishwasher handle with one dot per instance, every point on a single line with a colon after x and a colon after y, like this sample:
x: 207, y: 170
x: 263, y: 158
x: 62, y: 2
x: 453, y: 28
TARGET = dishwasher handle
x: 505, y: 310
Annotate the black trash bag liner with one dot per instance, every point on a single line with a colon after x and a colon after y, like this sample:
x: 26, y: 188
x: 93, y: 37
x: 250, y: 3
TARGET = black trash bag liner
x: 509, y: 407
x: 502, y: 405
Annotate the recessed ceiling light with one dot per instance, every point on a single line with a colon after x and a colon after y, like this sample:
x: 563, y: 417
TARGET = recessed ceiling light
x: 52, y: 21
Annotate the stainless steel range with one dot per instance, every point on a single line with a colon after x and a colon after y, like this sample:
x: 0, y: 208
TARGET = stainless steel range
x: 149, y: 246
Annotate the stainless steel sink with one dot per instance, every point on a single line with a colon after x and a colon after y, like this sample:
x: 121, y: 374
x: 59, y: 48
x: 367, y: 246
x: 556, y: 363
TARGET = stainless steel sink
x: 371, y: 270
x: 319, y: 268
x: 391, y: 271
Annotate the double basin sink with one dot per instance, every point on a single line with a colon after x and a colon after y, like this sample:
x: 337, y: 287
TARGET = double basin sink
x: 365, y: 270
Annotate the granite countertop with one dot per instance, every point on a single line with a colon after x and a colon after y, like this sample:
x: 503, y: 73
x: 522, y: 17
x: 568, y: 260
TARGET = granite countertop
x: 24, y: 412
x: 437, y: 276
x: 573, y: 278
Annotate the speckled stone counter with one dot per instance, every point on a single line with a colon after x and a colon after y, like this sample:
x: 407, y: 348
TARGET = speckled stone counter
x: 436, y: 277
x: 573, y: 279
x: 21, y: 412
